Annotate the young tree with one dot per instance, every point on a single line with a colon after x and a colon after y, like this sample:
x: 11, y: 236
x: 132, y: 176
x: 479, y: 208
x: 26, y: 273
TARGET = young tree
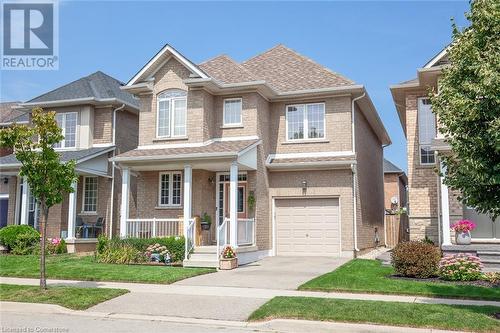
x: 468, y: 108
x: 48, y: 178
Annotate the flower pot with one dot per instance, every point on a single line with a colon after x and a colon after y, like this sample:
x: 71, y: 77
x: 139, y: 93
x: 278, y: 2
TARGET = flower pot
x: 463, y: 238
x: 205, y: 226
x: 228, y: 263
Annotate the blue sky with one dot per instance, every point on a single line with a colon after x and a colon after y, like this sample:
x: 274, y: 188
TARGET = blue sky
x: 373, y: 43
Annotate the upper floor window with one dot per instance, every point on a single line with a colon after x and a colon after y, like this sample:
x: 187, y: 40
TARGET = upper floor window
x: 67, y: 122
x: 170, y: 189
x: 232, y: 111
x: 172, y: 109
x: 305, y: 121
x: 426, y: 131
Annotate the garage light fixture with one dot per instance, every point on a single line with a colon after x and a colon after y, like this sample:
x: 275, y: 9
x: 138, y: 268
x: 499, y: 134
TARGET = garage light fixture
x: 304, y: 185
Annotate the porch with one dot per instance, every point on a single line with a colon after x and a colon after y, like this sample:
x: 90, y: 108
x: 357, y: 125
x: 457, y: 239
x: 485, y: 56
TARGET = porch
x: 168, y: 194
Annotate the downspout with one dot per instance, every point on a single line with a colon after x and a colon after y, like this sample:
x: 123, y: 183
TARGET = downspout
x: 354, y: 175
x: 113, y: 166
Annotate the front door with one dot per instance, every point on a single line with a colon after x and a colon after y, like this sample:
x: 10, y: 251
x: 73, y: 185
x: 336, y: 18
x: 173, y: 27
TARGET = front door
x: 485, y: 227
x: 4, y: 208
x: 223, y: 190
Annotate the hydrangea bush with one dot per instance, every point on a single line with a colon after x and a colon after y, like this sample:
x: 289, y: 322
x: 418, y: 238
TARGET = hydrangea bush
x: 157, y: 252
x: 460, y: 267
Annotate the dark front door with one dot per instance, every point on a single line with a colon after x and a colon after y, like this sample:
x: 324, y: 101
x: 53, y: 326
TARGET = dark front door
x: 4, y: 207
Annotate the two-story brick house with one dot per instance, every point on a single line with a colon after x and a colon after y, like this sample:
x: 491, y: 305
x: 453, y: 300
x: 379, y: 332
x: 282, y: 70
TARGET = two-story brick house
x: 432, y: 206
x: 283, y: 154
x: 98, y: 120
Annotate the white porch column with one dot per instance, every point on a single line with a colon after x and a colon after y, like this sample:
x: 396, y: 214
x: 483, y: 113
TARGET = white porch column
x: 124, y: 202
x: 233, y: 205
x: 72, y: 211
x: 24, y: 202
x: 188, y: 190
x: 445, y: 209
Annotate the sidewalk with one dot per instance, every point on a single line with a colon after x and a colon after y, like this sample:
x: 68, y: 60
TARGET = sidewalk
x: 251, y: 293
x: 48, y: 315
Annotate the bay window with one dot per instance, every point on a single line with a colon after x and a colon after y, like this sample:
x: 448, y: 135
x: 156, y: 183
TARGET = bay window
x: 305, y: 121
x: 171, y: 114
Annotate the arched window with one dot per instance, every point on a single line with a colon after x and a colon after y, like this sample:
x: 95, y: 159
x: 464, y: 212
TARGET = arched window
x: 172, y: 108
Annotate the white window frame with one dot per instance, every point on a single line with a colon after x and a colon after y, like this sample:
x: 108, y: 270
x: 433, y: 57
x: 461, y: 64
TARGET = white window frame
x: 171, y: 106
x: 420, y: 146
x: 63, y: 128
x: 305, y: 123
x: 170, y: 188
x: 224, y: 112
x: 84, y: 195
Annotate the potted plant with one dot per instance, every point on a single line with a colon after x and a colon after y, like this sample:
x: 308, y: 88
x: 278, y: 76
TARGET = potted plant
x: 158, y: 253
x: 206, y: 221
x: 462, y: 231
x: 228, y: 258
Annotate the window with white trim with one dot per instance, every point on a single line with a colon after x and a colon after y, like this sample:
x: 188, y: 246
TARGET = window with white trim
x: 89, y: 195
x: 172, y: 113
x: 170, y: 184
x: 232, y: 111
x: 67, y: 122
x: 305, y: 121
x: 426, y: 131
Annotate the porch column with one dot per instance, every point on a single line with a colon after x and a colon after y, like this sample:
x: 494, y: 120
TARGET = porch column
x: 72, y: 211
x: 445, y: 208
x: 124, y: 202
x: 233, y: 205
x: 24, y: 202
x: 188, y: 183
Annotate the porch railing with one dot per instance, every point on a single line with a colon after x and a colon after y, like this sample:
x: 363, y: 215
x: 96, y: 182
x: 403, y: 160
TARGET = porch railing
x: 151, y: 228
x: 189, y: 242
x: 222, y: 236
x: 246, y: 232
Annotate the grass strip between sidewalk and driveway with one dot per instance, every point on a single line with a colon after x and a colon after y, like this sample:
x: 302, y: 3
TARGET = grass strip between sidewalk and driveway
x: 450, y: 317
x: 74, y: 267
x: 369, y: 276
x: 70, y: 297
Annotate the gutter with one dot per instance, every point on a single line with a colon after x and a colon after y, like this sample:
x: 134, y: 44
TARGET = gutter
x: 113, y: 166
x: 354, y: 175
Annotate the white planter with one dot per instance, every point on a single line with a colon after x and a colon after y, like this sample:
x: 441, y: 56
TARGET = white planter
x: 463, y: 238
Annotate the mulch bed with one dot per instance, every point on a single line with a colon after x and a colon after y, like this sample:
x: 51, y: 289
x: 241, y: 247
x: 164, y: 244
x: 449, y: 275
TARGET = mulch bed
x: 479, y: 283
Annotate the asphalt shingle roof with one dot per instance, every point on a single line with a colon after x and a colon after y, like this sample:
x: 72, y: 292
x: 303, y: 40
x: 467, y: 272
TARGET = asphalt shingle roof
x: 97, y: 85
x: 10, y: 115
x: 389, y: 167
x: 226, y: 70
x: 66, y: 155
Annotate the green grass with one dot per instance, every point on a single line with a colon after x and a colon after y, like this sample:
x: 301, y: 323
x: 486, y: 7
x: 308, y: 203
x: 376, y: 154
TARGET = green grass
x: 69, y: 297
x: 451, y: 317
x: 369, y: 276
x: 72, y: 267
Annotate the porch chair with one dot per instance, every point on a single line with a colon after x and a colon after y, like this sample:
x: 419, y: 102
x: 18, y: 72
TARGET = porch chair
x: 79, y: 227
x: 99, y: 225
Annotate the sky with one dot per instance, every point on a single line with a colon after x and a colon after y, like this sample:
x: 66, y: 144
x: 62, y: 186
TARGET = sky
x: 374, y: 43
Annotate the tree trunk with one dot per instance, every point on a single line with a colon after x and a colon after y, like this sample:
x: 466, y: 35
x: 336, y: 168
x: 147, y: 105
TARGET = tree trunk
x: 43, y: 233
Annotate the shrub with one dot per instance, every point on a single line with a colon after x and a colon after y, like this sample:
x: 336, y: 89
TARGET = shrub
x: 26, y: 243
x: 174, y: 244
x: 56, y: 246
x: 10, y: 234
x: 416, y: 259
x: 116, y: 253
x: 102, y: 242
x: 460, y: 267
x: 492, y: 277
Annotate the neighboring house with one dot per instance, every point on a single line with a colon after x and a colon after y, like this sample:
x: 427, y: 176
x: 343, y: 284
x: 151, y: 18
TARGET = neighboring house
x: 98, y: 120
x: 433, y: 207
x: 395, y: 203
x: 395, y: 182
x: 284, y: 155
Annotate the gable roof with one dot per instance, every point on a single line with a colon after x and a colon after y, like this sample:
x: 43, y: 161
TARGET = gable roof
x: 9, y: 115
x: 159, y: 59
x: 286, y: 70
x: 98, y: 87
x: 226, y: 70
x: 390, y: 167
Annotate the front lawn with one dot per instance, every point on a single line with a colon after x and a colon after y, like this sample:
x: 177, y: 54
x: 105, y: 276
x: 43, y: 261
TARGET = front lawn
x: 450, y: 317
x: 73, y: 267
x: 369, y: 276
x: 70, y: 297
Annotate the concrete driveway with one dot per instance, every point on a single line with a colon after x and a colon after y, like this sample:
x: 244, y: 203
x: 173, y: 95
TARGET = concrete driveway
x: 269, y: 273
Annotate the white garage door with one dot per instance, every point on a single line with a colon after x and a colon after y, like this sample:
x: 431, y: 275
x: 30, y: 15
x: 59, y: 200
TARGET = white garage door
x: 307, y: 227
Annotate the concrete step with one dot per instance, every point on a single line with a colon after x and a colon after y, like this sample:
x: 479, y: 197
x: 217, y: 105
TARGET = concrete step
x: 203, y: 256
x: 205, y: 249
x: 201, y: 263
x: 491, y: 264
x: 487, y: 255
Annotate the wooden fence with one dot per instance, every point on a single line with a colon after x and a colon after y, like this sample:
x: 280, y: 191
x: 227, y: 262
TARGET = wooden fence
x: 396, y: 229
